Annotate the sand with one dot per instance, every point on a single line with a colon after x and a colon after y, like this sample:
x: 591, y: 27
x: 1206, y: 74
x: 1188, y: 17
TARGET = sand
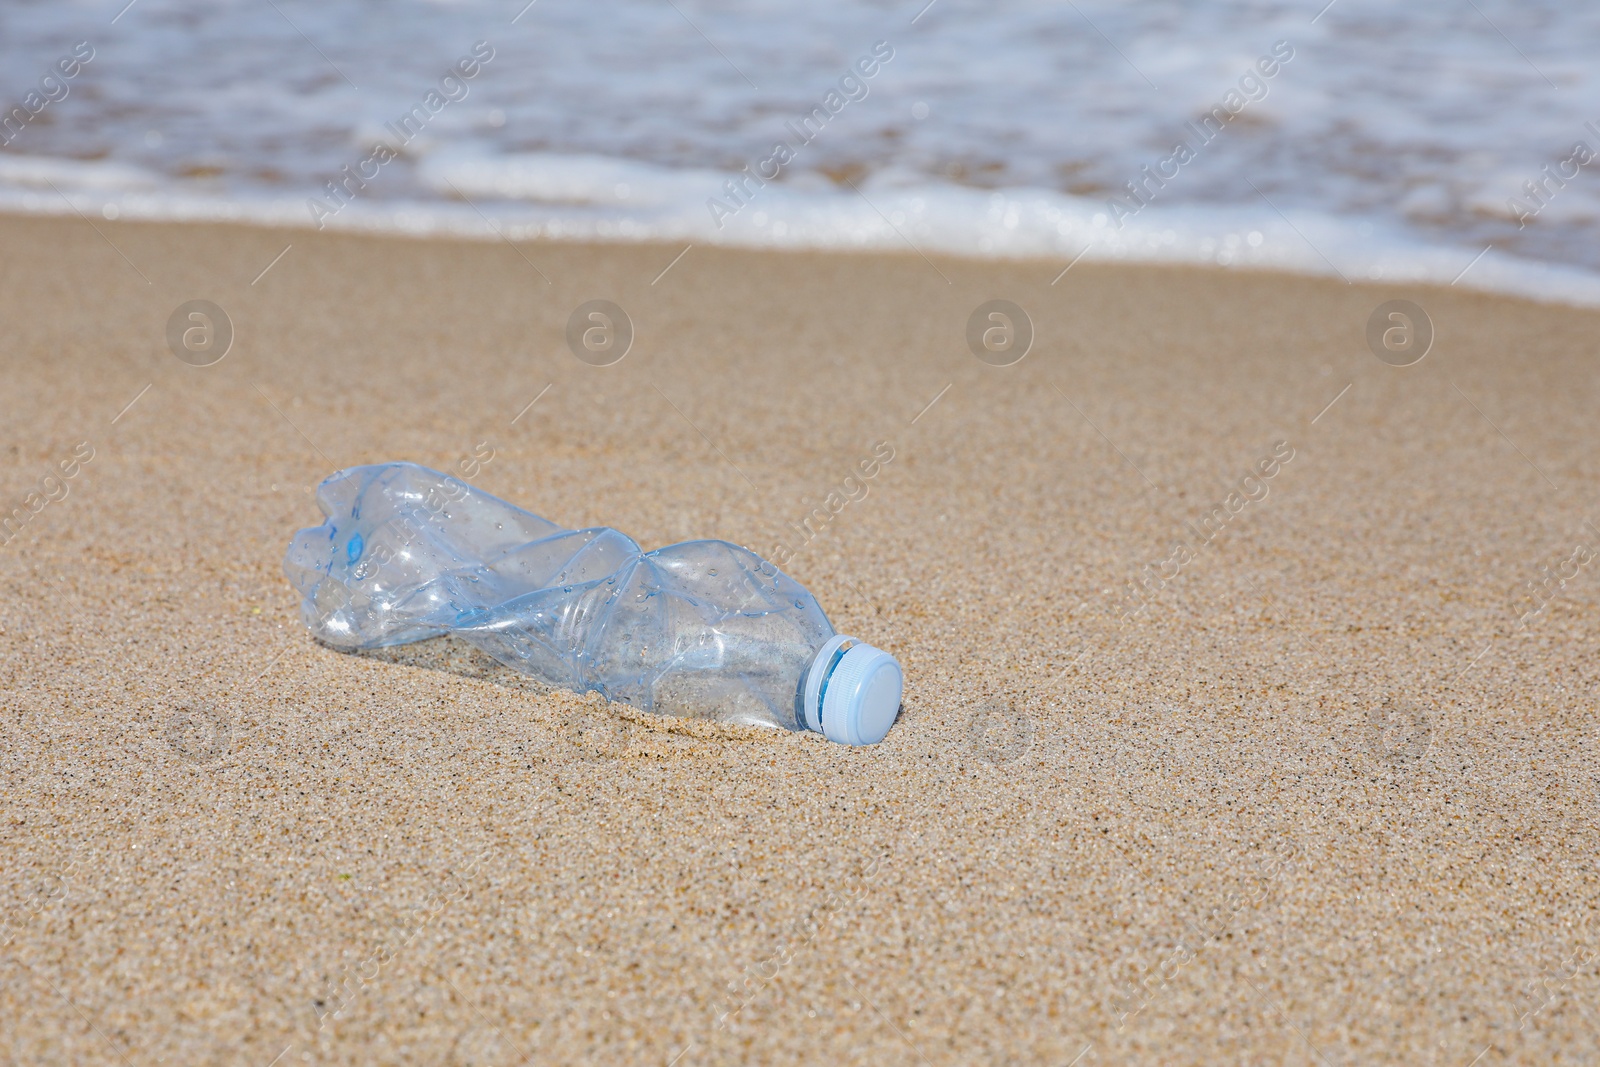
x: 1327, y: 796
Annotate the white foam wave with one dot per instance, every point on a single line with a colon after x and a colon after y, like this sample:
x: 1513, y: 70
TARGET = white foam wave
x: 585, y: 197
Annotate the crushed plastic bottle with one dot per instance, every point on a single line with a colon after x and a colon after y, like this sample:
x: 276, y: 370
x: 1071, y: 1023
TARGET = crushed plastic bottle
x: 701, y: 629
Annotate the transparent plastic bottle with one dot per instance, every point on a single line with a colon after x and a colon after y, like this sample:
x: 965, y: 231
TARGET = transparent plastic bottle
x: 701, y: 629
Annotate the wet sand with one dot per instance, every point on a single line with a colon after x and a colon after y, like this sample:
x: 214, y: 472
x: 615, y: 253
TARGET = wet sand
x: 1321, y: 789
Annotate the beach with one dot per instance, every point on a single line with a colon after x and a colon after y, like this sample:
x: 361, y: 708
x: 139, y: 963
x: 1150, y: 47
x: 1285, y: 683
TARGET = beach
x: 1197, y: 763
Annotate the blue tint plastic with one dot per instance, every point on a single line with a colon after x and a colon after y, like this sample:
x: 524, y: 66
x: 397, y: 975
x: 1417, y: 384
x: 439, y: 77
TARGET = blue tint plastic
x: 701, y: 629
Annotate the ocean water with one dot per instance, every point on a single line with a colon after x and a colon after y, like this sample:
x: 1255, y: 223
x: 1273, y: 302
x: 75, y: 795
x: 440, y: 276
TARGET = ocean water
x: 1434, y: 140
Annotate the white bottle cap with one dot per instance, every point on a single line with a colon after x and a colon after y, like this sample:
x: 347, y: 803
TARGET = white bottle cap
x: 852, y: 692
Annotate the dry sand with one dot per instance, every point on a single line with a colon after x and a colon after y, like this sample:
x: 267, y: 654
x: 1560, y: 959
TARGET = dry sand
x: 1328, y: 798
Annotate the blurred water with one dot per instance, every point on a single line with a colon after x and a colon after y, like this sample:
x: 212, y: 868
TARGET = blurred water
x: 1390, y: 144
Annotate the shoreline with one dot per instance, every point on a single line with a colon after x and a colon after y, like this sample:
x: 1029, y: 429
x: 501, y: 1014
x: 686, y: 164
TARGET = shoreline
x: 1055, y: 228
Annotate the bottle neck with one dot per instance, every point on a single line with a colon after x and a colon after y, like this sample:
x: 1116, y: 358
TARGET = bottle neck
x: 814, y: 689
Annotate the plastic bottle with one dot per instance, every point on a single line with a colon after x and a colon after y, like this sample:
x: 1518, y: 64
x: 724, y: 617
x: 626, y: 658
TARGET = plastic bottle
x: 701, y: 629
